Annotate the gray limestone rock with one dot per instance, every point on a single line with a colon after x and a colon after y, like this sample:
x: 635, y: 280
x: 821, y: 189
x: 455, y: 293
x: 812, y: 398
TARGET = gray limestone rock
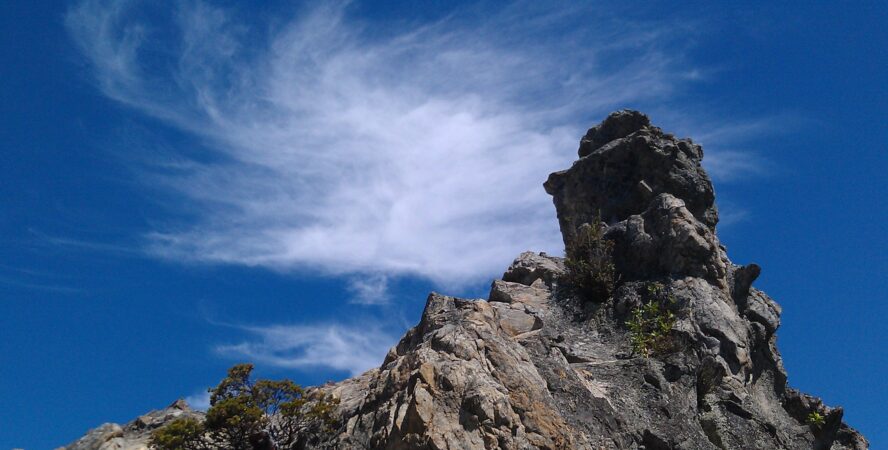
x: 532, y: 367
x: 618, y: 178
x: 134, y: 435
x: 530, y: 267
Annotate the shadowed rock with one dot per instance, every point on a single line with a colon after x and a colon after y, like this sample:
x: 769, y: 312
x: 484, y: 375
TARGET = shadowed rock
x: 618, y: 177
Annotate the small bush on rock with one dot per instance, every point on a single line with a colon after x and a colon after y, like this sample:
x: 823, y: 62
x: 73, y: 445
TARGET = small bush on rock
x: 650, y: 324
x: 816, y: 420
x: 589, y: 262
x: 247, y: 414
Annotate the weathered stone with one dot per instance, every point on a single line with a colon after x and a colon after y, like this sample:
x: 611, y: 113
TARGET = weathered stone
x: 666, y: 240
x: 604, y: 181
x: 530, y: 267
x: 134, y: 435
x: 515, y: 321
x: 507, y: 292
x: 743, y: 276
x: 532, y: 367
x: 616, y: 126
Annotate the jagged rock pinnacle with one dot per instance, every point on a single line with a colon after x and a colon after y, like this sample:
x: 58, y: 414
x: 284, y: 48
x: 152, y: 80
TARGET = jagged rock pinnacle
x: 624, y: 163
x: 616, y: 126
x: 536, y: 367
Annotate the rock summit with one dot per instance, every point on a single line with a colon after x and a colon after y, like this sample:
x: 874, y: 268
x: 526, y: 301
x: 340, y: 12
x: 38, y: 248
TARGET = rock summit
x: 535, y: 367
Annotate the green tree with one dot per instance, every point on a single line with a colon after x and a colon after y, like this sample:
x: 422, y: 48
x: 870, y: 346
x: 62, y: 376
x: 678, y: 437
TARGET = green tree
x: 181, y: 434
x: 249, y: 415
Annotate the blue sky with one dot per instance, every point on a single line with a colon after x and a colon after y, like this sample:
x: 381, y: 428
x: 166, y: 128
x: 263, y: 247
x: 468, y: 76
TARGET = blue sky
x: 183, y: 188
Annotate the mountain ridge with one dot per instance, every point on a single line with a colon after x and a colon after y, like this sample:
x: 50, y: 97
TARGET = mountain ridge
x: 537, y: 366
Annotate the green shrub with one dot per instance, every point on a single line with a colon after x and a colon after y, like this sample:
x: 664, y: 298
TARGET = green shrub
x: 816, y: 420
x: 650, y: 325
x: 589, y: 262
x: 249, y: 415
x: 180, y: 434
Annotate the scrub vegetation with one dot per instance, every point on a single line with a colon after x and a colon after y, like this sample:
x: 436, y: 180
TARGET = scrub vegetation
x: 247, y: 414
x: 589, y: 262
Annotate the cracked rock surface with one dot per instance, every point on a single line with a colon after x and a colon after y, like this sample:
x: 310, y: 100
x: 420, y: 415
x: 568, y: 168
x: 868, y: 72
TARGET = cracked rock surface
x: 136, y: 434
x: 534, y: 367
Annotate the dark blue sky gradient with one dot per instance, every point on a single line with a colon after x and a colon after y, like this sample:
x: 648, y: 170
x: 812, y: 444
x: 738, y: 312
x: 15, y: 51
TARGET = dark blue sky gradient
x: 94, y: 330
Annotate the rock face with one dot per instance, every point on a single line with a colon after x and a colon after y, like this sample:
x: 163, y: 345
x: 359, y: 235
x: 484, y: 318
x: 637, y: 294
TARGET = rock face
x: 534, y: 367
x: 625, y: 163
x: 134, y: 435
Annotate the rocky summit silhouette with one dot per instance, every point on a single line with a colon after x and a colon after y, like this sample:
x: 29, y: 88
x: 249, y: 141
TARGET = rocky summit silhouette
x: 537, y: 365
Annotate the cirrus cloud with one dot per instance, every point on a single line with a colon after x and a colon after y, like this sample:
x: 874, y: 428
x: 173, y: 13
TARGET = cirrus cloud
x: 332, y: 346
x: 340, y: 147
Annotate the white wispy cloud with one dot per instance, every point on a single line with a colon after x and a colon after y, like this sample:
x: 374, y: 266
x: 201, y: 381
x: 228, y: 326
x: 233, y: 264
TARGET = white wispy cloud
x: 348, y: 149
x: 369, y: 290
x: 731, y: 165
x: 352, y: 349
x: 730, y: 144
x: 729, y: 213
x: 96, y: 246
x: 16, y: 282
x: 199, y: 400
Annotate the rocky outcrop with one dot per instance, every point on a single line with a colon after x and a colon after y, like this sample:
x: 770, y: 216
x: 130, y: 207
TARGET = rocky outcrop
x: 624, y: 163
x: 532, y: 366
x: 134, y: 435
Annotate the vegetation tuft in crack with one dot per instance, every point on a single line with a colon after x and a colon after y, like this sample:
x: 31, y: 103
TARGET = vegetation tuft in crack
x: 816, y: 420
x: 589, y: 262
x: 650, y: 325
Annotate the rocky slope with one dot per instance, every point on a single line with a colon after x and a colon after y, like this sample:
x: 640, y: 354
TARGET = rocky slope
x: 134, y: 435
x: 535, y: 367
